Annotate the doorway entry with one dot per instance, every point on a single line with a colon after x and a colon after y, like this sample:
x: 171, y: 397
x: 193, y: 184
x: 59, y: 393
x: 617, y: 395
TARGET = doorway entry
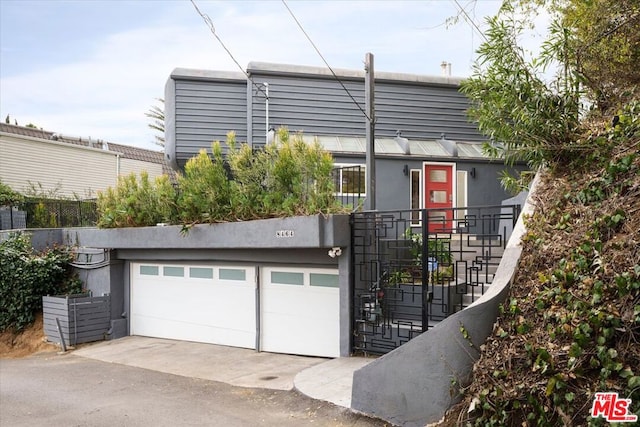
x: 438, y: 179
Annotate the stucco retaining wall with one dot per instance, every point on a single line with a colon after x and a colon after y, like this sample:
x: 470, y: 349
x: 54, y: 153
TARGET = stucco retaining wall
x: 316, y: 231
x: 302, y: 240
x: 41, y: 238
x: 284, y: 241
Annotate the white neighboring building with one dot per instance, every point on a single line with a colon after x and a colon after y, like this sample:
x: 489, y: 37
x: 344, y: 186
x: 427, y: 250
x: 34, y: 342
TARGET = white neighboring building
x: 71, y: 166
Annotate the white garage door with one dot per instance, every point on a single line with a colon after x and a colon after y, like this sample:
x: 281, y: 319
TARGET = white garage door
x: 203, y: 303
x: 300, y: 311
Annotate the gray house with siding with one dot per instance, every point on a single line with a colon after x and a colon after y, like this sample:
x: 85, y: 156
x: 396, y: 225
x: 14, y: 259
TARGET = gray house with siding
x: 428, y: 153
x: 315, y: 285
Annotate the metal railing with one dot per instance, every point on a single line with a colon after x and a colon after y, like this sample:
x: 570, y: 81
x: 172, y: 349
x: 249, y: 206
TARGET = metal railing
x: 47, y: 213
x: 349, y: 182
x: 413, y: 268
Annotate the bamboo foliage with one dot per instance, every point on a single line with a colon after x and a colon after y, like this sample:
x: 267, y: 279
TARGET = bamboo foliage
x: 285, y: 178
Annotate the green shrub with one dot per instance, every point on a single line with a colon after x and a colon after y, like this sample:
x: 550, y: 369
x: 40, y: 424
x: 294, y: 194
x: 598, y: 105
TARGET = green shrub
x: 437, y: 248
x: 249, y: 171
x: 41, y: 217
x: 137, y: 202
x: 8, y: 196
x: 25, y: 277
x: 204, y: 188
x: 287, y: 177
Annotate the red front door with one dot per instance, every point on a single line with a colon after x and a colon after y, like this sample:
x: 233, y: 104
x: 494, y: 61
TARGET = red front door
x: 439, y: 197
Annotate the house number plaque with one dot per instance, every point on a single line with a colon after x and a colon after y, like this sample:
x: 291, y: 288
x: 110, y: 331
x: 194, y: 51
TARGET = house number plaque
x: 285, y: 233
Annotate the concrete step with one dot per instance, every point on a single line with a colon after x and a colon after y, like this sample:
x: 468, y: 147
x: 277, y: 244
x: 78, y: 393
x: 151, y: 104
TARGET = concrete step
x: 469, y: 298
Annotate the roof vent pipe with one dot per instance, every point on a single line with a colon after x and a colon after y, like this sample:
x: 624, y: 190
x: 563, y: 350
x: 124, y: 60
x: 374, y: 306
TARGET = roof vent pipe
x: 403, y: 143
x: 446, y: 68
x: 449, y: 145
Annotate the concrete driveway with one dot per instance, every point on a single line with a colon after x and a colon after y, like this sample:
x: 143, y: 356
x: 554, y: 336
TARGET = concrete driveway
x: 231, y: 365
x: 316, y: 377
x: 149, y: 382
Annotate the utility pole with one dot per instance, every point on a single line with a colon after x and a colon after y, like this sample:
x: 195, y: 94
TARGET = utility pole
x: 369, y: 100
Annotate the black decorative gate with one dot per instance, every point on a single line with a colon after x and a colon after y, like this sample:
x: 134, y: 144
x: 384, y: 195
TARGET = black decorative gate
x: 413, y: 268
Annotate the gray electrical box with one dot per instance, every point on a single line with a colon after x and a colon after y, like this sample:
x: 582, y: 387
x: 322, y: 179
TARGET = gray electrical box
x: 11, y: 219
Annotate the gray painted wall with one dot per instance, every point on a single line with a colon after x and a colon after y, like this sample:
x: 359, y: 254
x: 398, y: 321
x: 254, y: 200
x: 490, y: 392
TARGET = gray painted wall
x: 393, y: 187
x: 305, y: 243
x: 316, y: 231
x: 40, y: 238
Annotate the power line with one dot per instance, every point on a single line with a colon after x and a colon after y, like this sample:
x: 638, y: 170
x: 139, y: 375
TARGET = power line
x: 469, y: 20
x: 325, y: 61
x: 472, y: 36
x: 209, y: 23
x: 442, y: 24
x: 452, y: 20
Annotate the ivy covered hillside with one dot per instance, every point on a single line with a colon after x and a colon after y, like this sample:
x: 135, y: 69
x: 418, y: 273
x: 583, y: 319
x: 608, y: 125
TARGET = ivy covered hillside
x: 570, y: 327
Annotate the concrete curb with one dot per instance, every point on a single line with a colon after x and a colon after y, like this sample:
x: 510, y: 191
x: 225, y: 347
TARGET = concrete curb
x: 330, y: 381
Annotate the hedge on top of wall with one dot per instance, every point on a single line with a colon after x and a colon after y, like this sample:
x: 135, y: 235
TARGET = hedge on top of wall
x: 287, y: 177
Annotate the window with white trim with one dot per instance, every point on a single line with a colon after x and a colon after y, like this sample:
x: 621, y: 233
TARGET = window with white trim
x: 461, y: 194
x: 415, y: 186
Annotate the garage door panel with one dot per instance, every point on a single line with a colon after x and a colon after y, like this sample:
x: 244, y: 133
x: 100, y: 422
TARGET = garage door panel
x: 217, y: 304
x: 178, y: 329
x: 191, y: 303
x: 306, y: 304
x: 207, y: 306
x: 297, y: 317
x: 287, y: 334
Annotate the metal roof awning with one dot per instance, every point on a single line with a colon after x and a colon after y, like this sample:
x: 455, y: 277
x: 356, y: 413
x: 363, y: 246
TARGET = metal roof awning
x: 393, y: 146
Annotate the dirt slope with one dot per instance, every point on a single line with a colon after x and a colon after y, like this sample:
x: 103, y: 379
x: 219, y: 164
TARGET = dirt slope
x: 571, y: 325
x: 31, y: 340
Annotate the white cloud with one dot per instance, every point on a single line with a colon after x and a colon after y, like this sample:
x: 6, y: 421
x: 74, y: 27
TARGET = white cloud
x: 109, y: 92
x: 105, y: 94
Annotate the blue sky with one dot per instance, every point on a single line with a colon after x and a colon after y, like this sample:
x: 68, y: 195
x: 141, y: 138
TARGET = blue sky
x: 93, y: 68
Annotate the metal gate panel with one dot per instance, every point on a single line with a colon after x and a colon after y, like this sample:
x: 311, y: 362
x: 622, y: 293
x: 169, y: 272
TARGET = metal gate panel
x: 406, y: 279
